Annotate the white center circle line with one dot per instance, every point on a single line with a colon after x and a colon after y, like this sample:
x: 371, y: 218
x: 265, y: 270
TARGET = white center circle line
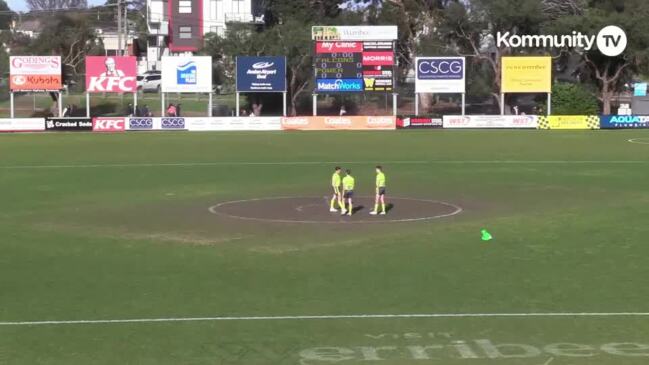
x: 639, y: 140
x: 215, y: 210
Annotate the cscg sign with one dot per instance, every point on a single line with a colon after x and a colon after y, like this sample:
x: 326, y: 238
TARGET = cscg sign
x: 440, y: 75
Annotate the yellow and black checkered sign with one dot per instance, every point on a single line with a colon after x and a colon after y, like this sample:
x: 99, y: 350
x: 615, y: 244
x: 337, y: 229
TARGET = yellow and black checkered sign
x: 569, y: 122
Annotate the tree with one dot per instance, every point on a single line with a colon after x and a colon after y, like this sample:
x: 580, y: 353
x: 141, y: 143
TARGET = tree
x: 56, y: 4
x: 5, y: 15
x: 70, y: 36
x: 610, y: 74
x: 292, y: 39
x: 471, y: 28
x: 573, y: 99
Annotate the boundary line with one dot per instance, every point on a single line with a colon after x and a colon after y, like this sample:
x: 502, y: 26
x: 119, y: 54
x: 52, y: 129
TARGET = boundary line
x: 639, y: 140
x: 326, y: 317
x: 307, y: 163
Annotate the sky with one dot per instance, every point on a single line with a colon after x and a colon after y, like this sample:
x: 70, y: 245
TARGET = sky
x: 21, y: 5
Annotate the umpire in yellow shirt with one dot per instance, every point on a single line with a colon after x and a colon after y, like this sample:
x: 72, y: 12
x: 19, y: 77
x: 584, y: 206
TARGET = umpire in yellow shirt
x: 336, y: 182
x: 348, y: 193
x: 380, y: 192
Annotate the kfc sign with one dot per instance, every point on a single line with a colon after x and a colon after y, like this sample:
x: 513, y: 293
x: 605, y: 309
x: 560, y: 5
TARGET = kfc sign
x: 108, y: 125
x: 378, y: 59
x: 338, y: 47
x: 111, y: 74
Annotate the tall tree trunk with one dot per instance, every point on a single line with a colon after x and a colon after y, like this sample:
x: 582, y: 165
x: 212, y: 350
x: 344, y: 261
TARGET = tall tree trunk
x: 606, y: 98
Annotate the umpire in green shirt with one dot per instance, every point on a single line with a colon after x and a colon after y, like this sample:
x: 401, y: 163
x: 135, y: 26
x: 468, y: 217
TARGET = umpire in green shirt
x: 348, y: 193
x: 380, y: 192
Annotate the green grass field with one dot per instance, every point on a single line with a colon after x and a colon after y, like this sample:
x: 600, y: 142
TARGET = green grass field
x: 116, y: 227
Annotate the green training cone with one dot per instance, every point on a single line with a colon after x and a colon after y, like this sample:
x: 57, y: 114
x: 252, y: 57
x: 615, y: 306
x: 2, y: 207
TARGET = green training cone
x: 486, y: 236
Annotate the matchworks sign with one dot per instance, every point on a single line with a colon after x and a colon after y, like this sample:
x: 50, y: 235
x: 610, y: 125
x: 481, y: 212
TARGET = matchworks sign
x: 111, y: 74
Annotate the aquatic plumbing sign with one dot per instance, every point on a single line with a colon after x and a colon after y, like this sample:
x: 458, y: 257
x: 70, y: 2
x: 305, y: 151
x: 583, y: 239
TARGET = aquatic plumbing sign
x: 339, y: 85
x: 187, y: 74
x: 624, y: 121
x: 491, y: 121
x: 261, y: 74
x: 111, y: 74
x: 35, y: 73
x: 440, y: 75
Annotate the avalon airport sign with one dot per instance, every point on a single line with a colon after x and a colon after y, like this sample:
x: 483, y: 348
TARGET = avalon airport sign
x: 261, y: 74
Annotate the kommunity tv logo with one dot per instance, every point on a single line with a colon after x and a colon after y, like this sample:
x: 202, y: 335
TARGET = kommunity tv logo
x: 610, y: 41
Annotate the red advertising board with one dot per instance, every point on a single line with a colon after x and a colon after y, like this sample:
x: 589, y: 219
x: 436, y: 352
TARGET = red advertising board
x: 104, y: 124
x: 35, y: 73
x: 378, y: 58
x: 338, y: 47
x: 111, y: 74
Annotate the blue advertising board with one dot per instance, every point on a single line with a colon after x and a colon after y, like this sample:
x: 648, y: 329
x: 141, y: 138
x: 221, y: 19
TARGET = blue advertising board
x: 440, y: 75
x: 261, y: 74
x: 339, y: 85
x: 623, y: 121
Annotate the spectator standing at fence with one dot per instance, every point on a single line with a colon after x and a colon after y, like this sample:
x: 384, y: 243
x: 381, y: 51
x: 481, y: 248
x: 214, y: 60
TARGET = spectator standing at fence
x: 343, y: 111
x: 129, y: 110
x: 171, y: 110
x: 145, y: 111
x: 256, y: 109
x: 178, y: 110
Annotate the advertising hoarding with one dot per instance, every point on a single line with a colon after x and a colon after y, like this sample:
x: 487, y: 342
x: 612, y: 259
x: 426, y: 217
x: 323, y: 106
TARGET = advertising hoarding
x: 142, y: 124
x: 234, y: 124
x: 526, y: 74
x: 354, y: 33
x: 186, y: 74
x: 68, y: 124
x: 623, y: 121
x: 491, y: 121
x: 172, y: 123
x: 339, y: 85
x: 569, y: 122
x: 340, y: 123
x: 440, y: 75
x: 107, y: 124
x: 22, y: 125
x: 261, y: 74
x: 35, y: 73
x: 115, y: 74
x: 419, y: 122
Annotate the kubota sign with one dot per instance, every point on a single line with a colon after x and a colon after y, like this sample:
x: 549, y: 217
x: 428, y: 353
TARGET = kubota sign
x: 111, y: 74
